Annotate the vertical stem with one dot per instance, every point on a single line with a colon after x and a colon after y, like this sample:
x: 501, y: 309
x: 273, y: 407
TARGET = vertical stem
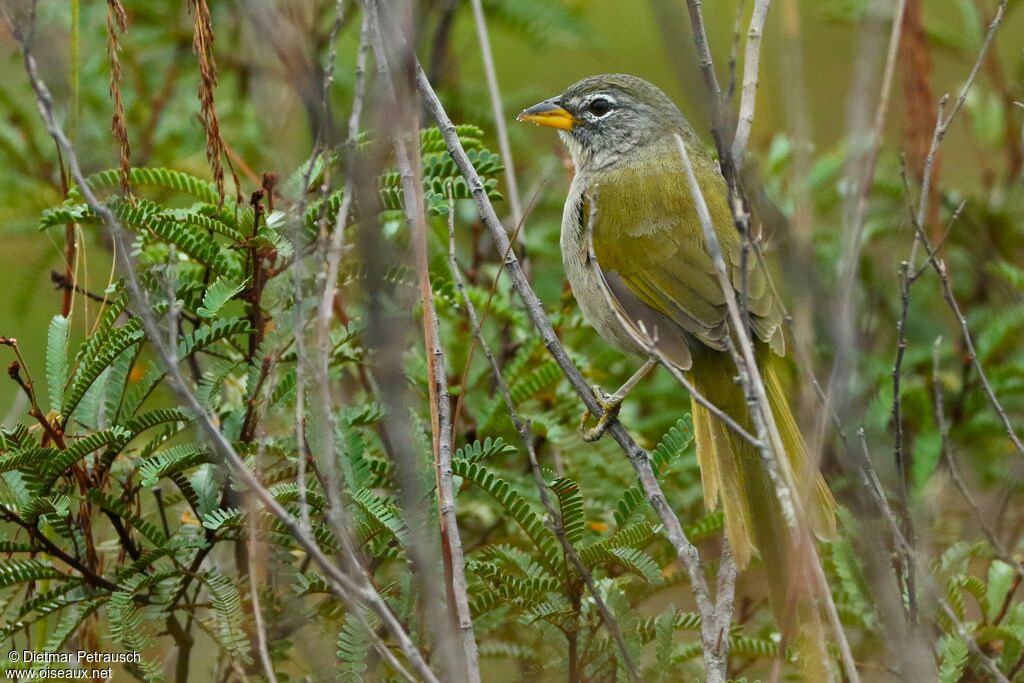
x: 76, y: 67
x: 499, y: 115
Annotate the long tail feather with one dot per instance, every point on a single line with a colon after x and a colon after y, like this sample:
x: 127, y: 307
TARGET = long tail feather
x: 735, y: 477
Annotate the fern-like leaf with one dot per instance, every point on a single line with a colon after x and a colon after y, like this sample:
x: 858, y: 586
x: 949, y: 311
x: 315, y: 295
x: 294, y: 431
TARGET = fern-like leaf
x: 218, y: 294
x: 91, y: 368
x: 227, y: 616
x: 57, y: 360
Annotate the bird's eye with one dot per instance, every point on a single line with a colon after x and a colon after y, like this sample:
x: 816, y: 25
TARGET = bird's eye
x: 600, y: 107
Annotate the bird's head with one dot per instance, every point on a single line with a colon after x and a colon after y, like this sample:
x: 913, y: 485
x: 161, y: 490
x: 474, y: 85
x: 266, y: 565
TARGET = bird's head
x: 603, y: 119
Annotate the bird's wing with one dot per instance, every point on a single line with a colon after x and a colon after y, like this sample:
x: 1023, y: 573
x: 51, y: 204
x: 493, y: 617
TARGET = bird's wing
x: 645, y: 233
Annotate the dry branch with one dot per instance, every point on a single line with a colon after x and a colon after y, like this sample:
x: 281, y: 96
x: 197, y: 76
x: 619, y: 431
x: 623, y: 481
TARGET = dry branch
x: 751, y: 62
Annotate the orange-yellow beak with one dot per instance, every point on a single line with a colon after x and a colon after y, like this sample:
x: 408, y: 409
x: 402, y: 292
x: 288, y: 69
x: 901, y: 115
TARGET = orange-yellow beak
x: 549, y: 113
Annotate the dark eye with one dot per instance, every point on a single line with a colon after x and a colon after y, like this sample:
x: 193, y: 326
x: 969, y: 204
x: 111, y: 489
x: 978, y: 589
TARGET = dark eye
x: 600, y: 107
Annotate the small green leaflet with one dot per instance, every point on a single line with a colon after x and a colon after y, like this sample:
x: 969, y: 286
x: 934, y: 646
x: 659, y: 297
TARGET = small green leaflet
x: 218, y: 294
x: 57, y: 360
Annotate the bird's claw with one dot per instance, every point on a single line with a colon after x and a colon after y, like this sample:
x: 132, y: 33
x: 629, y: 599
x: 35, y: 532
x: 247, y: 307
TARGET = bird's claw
x: 610, y: 404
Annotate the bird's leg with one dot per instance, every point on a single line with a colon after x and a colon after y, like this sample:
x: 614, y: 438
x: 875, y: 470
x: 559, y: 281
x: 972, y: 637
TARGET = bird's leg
x: 610, y: 403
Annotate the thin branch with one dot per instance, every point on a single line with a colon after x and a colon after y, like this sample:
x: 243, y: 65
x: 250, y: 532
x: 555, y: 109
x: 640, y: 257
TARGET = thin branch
x: 394, y: 59
x: 499, y: 115
x: 939, y: 266
x: 441, y: 414
x: 327, y: 424
x: 751, y: 62
x: 760, y: 411
x: 950, y: 459
x: 730, y: 88
x: 928, y: 583
x: 254, y: 595
x: 943, y: 124
x: 909, y: 570
x: 28, y: 386
x: 719, y: 108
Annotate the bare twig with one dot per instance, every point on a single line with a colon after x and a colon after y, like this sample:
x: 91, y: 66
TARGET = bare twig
x: 942, y: 125
x: 950, y: 459
x: 257, y: 612
x: 719, y: 108
x: 730, y: 88
x: 499, y: 115
x: 321, y: 378
x: 441, y: 414
x: 751, y: 61
x: 972, y: 353
x: 28, y: 386
x: 773, y: 451
x: 909, y: 570
x: 928, y: 584
x: 394, y: 57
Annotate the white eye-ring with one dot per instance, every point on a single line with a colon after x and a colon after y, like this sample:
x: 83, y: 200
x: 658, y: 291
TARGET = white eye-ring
x: 600, y: 105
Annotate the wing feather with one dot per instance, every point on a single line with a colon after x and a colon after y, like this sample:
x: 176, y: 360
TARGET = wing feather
x: 645, y: 232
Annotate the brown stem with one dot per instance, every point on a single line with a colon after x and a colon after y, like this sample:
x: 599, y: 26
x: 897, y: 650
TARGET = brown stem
x: 88, y: 574
x: 26, y: 384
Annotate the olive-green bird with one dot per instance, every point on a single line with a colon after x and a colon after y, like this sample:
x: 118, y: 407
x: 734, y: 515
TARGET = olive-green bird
x: 635, y: 256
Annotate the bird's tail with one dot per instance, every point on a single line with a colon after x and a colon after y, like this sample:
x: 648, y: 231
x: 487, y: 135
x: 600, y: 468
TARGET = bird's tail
x: 736, y: 479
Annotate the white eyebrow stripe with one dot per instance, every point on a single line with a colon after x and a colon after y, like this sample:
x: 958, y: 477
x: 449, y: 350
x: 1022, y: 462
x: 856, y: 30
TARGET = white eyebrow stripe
x: 599, y: 95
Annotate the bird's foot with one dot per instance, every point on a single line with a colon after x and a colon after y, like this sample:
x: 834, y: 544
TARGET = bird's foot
x: 610, y: 404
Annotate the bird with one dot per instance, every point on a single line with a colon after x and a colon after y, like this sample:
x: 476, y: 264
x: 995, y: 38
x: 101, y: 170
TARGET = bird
x: 635, y: 256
